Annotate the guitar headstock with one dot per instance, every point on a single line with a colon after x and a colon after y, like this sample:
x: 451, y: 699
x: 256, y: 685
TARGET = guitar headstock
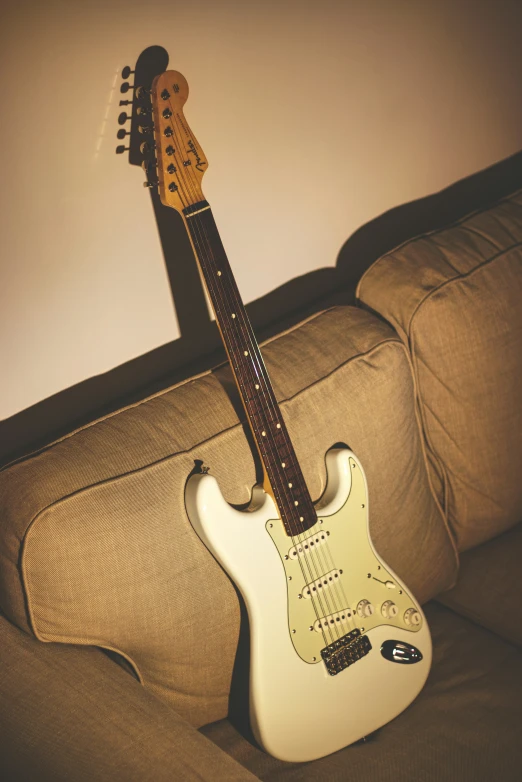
x: 181, y: 162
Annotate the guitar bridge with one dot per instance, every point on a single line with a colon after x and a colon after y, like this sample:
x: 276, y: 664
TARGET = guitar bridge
x: 345, y: 651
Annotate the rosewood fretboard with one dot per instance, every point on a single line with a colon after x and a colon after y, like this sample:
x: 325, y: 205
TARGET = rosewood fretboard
x: 280, y: 464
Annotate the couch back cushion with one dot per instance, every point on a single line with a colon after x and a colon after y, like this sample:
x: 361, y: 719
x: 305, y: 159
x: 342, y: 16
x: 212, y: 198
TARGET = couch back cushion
x: 95, y: 544
x: 455, y: 297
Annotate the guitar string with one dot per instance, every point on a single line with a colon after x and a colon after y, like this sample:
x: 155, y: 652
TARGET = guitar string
x: 343, y: 606
x: 269, y: 407
x: 250, y: 369
x: 302, y: 541
x: 198, y: 240
x: 263, y: 421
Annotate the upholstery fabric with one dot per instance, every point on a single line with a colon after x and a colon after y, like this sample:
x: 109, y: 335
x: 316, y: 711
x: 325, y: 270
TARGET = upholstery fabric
x: 69, y: 714
x: 455, y: 298
x: 488, y: 587
x: 464, y: 725
x: 95, y: 544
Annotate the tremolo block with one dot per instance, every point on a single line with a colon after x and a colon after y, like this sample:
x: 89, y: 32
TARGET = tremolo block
x: 345, y: 651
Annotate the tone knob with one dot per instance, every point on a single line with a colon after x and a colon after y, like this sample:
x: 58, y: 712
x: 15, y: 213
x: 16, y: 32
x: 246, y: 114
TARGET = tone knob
x: 365, y: 608
x: 389, y: 609
x: 412, y: 617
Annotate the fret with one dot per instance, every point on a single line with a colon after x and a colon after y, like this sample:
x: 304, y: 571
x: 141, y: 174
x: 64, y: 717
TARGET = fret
x: 263, y: 413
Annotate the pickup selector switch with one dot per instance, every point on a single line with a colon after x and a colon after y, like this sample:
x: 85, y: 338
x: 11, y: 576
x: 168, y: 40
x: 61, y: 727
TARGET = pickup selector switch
x: 365, y: 608
x: 389, y: 609
x: 412, y: 617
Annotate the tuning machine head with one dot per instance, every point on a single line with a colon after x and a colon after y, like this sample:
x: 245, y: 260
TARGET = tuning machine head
x: 146, y: 147
x: 142, y: 92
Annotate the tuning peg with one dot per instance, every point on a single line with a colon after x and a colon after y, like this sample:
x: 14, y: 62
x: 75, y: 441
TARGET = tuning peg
x: 126, y: 102
x: 143, y: 129
x: 125, y: 87
x: 121, y: 149
x: 146, y: 146
x: 122, y: 133
x: 148, y: 165
x: 144, y: 110
x: 126, y: 72
x: 123, y: 118
x: 150, y: 184
x: 142, y: 92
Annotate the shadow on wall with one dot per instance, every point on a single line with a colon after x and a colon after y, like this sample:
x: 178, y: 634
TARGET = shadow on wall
x: 199, y: 346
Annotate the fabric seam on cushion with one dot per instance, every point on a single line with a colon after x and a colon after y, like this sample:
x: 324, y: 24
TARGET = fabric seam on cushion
x: 106, y: 417
x: 25, y: 538
x: 424, y: 445
x: 162, y: 392
x: 473, y: 617
x: 444, y: 228
x: 458, y: 277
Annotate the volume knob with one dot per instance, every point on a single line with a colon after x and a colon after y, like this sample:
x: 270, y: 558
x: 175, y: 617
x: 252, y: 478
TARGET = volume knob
x: 365, y: 608
x: 389, y: 609
x: 412, y: 617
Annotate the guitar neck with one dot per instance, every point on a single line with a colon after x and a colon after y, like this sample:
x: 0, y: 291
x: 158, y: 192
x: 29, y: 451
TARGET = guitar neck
x: 283, y: 477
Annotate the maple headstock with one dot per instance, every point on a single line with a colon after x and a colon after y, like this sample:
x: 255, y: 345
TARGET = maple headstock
x: 181, y: 162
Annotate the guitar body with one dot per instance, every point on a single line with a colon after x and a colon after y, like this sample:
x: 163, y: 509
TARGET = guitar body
x: 299, y: 709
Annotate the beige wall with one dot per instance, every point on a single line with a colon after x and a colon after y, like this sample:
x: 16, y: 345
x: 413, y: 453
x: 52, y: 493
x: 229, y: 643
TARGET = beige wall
x: 315, y: 117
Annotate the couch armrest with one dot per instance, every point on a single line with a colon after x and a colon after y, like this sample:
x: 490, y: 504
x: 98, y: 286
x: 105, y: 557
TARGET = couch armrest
x: 70, y: 713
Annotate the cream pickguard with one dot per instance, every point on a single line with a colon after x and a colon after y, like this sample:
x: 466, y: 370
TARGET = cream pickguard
x: 299, y: 710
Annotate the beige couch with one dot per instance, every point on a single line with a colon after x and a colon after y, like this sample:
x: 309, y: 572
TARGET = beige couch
x: 122, y: 650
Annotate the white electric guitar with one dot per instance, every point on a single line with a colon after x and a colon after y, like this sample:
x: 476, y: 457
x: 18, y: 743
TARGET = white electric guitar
x: 339, y: 647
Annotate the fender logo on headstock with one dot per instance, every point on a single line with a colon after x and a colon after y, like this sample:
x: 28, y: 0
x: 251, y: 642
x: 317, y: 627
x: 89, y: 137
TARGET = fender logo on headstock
x: 192, y: 150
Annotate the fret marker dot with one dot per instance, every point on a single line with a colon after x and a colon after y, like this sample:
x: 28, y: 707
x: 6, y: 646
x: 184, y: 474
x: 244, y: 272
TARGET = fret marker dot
x: 246, y: 353
x: 301, y: 518
x: 219, y: 274
x: 264, y: 434
x: 233, y: 314
x: 296, y: 503
x: 290, y: 485
x: 257, y: 386
x: 279, y: 426
x: 283, y: 464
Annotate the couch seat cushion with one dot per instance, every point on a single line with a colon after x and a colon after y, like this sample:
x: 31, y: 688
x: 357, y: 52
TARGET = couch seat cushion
x: 488, y: 587
x: 95, y: 544
x: 455, y: 297
x: 464, y: 726
x: 69, y: 714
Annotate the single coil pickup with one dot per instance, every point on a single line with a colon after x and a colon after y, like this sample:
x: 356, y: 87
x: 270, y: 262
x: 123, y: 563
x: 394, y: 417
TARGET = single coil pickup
x: 345, y: 651
x: 308, y: 544
x: 318, y: 586
x: 338, y: 619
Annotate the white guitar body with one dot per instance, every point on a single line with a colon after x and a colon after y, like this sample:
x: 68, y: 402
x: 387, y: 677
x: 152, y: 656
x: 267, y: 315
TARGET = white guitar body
x: 298, y: 710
